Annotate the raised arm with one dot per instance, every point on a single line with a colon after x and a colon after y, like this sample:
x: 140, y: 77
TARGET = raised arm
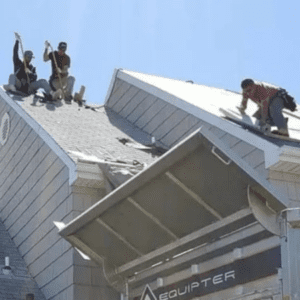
x: 16, y: 59
x: 46, y: 55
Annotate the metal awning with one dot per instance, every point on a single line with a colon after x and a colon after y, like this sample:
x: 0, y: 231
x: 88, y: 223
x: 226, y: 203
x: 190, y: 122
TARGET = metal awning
x: 190, y: 194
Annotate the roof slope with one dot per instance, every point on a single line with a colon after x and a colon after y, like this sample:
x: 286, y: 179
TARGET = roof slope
x: 209, y: 99
x: 93, y: 131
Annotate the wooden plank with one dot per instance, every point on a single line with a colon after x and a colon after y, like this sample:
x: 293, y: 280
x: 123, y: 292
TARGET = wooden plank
x: 125, y: 99
x: 117, y: 93
x: 134, y: 102
x: 152, y: 111
x: 141, y: 108
x: 160, y: 118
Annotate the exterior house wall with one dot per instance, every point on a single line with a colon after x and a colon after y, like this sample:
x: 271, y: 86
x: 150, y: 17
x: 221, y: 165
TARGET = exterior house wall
x: 34, y: 192
x: 89, y: 280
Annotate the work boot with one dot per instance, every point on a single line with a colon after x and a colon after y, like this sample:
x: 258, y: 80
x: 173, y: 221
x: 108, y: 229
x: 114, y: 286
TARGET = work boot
x: 56, y: 95
x: 68, y: 99
x: 47, y: 97
x: 9, y: 87
x: 282, y: 132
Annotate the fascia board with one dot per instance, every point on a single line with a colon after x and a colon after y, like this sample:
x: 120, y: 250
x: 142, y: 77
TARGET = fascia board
x: 111, y: 86
x: 44, y: 135
x: 271, y: 151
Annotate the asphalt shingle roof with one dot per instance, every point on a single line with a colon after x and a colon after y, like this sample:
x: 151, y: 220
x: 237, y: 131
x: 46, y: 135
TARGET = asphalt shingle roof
x: 92, y: 131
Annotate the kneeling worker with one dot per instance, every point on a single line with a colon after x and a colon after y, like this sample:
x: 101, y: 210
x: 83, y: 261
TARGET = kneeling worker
x: 270, y: 101
x: 24, y: 78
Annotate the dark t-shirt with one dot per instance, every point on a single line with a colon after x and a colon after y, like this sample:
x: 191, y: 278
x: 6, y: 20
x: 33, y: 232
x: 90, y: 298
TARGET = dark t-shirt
x: 62, y: 60
x: 19, y: 68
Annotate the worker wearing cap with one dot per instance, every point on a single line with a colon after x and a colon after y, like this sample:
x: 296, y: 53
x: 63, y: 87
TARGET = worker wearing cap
x: 270, y: 100
x: 60, y: 63
x: 24, y: 78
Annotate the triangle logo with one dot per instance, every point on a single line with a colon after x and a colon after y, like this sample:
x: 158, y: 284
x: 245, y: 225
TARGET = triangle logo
x: 148, y: 294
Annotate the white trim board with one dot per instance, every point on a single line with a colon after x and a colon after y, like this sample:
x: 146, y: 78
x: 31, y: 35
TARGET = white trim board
x: 111, y: 85
x: 45, y: 136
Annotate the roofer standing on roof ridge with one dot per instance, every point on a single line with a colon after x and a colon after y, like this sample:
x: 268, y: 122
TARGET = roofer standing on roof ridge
x: 24, y: 72
x: 60, y: 71
x: 270, y: 101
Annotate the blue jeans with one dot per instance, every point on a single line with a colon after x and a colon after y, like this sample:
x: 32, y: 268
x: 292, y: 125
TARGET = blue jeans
x: 34, y: 86
x: 275, y: 112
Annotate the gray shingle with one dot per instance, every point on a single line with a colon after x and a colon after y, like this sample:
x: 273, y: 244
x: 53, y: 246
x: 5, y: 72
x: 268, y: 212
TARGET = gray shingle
x: 92, y: 132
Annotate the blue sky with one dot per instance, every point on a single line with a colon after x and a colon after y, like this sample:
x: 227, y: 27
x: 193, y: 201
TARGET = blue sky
x: 212, y: 42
